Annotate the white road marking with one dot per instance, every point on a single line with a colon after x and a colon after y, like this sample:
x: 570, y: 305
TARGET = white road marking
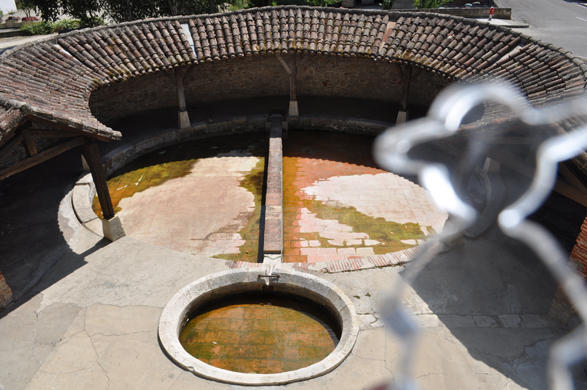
x: 585, y: 20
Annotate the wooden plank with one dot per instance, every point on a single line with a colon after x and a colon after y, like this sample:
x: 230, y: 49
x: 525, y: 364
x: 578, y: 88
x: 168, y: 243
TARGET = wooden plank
x: 6, y: 139
x: 521, y: 167
x: 29, y: 142
x: 304, y: 58
x: 570, y: 192
x: 180, y: 91
x: 405, y: 88
x: 504, y: 158
x: 40, y: 157
x: 292, y: 79
x: 282, y: 61
x: 70, y: 129
x: 399, y: 69
x: 92, y: 154
x: 570, y: 176
x: 187, y: 72
x: 41, y: 133
x: 13, y: 143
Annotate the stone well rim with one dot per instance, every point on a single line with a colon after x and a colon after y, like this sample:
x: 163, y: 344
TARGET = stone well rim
x: 182, y: 302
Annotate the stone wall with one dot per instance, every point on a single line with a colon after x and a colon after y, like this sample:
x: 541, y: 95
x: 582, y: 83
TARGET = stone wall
x: 263, y: 76
x: 133, y: 96
x: 239, y: 78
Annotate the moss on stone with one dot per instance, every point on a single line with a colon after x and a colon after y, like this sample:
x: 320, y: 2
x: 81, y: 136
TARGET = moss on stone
x: 252, y: 182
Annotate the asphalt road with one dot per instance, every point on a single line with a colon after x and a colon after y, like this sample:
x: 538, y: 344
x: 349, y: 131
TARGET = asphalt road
x: 560, y: 22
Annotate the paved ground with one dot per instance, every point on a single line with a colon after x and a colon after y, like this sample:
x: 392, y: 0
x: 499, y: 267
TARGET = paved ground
x: 91, y: 322
x: 560, y: 22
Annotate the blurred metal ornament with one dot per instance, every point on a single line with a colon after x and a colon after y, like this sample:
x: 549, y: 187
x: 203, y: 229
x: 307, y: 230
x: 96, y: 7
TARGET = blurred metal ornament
x: 443, y: 120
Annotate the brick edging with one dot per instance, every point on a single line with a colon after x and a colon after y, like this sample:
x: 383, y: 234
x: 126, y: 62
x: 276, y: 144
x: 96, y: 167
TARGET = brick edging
x: 350, y: 262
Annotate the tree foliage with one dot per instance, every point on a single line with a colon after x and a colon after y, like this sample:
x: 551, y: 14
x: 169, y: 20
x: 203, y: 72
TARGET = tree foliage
x: 431, y: 3
x: 89, y: 12
x: 49, y: 9
x: 128, y: 10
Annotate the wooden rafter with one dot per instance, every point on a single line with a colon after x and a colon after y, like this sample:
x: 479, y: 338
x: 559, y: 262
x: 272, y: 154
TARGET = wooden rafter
x: 67, y: 128
x: 570, y: 176
x: 520, y: 166
x: 49, y: 133
x: 41, y: 157
x: 29, y: 142
x: 9, y: 147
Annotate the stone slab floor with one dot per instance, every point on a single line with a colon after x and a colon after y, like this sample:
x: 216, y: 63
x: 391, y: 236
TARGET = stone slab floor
x: 91, y: 322
x: 202, y: 198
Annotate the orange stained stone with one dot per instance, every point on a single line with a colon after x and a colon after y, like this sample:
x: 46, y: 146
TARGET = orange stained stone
x: 287, y: 337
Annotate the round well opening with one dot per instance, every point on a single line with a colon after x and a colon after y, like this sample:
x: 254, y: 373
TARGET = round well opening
x: 259, y: 326
x: 265, y: 332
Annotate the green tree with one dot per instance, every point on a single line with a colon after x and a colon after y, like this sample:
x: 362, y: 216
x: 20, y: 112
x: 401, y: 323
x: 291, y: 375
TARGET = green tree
x: 431, y: 3
x: 128, y: 10
x: 89, y: 12
x: 27, y: 6
x: 49, y: 9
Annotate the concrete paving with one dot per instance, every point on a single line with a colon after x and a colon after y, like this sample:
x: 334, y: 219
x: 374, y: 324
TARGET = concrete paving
x: 87, y: 310
x: 91, y: 321
x: 95, y: 326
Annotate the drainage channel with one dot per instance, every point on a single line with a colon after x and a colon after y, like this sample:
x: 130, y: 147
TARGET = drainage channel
x: 273, y: 209
x: 264, y: 325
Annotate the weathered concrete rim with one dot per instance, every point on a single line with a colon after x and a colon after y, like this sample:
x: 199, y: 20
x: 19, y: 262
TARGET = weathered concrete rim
x: 237, y: 280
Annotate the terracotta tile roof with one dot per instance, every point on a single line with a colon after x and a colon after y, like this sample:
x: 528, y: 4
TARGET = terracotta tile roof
x: 54, y: 78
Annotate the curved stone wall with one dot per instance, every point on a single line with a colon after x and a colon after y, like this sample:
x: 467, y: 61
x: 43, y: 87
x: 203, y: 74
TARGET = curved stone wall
x: 263, y: 76
x: 53, y: 79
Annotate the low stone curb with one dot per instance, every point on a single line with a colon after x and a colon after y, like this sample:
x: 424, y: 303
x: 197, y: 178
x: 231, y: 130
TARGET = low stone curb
x: 240, y: 280
x: 350, y: 263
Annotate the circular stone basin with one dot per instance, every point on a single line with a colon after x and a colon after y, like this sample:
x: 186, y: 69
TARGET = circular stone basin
x: 264, y: 333
x: 224, y: 325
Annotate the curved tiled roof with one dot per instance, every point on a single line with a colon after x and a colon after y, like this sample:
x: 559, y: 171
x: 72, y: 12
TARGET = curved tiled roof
x: 53, y: 79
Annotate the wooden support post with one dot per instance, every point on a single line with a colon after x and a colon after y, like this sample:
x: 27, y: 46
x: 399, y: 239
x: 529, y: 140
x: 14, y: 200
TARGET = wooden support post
x: 406, y: 87
x: 406, y: 73
x: 292, y: 69
x: 29, y: 142
x: 183, y: 117
x: 92, y: 154
x: 111, y: 224
x: 293, y: 99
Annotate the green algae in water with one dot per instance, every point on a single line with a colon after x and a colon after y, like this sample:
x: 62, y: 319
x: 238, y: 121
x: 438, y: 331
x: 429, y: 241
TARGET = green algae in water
x: 249, y: 251
x: 172, y: 162
x: 261, y: 333
x: 389, y: 234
